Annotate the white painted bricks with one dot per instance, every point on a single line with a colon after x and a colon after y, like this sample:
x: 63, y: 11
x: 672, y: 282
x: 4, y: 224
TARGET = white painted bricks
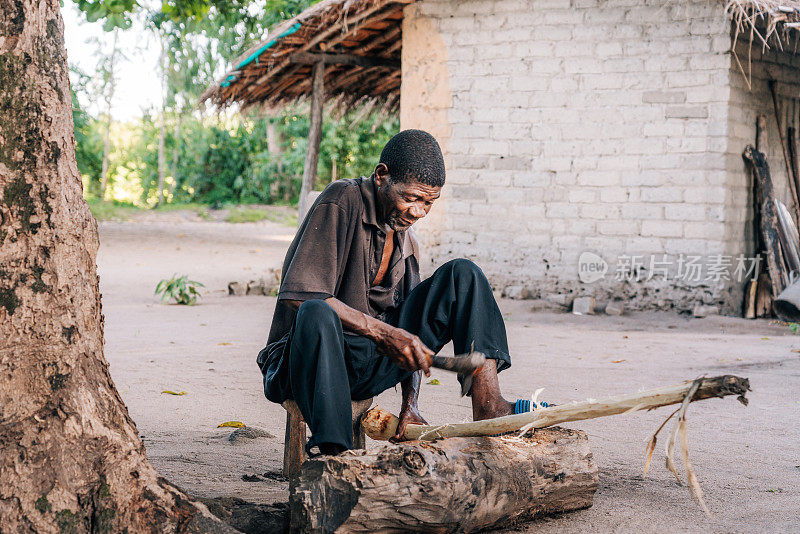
x: 603, y: 125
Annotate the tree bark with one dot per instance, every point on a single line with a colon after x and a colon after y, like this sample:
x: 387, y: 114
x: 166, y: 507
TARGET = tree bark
x: 70, y: 456
x: 314, y: 138
x: 452, y: 485
x: 109, y: 94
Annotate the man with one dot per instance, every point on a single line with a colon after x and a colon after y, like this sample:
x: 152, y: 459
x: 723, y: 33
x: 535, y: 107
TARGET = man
x: 353, y: 318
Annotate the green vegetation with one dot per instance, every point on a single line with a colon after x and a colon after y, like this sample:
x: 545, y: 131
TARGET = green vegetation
x: 207, y: 158
x: 108, y: 210
x: 242, y: 214
x: 179, y: 289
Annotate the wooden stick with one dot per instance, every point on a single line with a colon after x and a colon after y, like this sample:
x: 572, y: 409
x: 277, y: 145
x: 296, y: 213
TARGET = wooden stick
x: 381, y: 425
x: 768, y: 218
x: 793, y: 187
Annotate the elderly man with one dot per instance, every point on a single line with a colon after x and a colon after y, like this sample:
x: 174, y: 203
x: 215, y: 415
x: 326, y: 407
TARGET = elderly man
x: 353, y: 318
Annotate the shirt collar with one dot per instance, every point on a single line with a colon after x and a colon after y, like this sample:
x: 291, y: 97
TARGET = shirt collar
x: 369, y: 194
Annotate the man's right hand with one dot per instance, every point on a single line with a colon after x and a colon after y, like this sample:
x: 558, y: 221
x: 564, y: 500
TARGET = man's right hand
x: 405, y: 349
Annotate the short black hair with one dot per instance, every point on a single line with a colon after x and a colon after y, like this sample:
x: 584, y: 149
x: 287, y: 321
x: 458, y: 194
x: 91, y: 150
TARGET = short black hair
x: 414, y: 155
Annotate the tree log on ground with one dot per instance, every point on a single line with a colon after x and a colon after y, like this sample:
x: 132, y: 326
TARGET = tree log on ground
x: 451, y: 485
x: 70, y: 456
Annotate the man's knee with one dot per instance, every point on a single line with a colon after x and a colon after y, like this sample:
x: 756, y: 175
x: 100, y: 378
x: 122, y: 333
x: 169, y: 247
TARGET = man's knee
x: 462, y: 268
x: 315, y: 314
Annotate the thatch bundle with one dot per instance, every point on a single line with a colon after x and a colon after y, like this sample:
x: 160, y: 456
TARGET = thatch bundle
x: 267, y: 75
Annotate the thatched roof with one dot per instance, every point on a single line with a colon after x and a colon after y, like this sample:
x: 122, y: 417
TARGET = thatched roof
x: 766, y: 21
x: 277, y: 71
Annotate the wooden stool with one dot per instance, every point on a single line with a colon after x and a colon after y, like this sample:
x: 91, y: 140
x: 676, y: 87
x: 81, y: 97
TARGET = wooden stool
x: 294, y: 442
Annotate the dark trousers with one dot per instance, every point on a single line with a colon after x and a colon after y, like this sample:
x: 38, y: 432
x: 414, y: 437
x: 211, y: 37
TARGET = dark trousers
x: 322, y: 367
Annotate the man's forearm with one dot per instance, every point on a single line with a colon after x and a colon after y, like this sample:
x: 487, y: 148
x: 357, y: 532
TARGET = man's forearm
x: 404, y: 348
x: 352, y: 319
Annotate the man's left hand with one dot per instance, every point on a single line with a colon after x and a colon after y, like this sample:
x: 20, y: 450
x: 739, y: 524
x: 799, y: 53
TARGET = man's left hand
x: 410, y: 414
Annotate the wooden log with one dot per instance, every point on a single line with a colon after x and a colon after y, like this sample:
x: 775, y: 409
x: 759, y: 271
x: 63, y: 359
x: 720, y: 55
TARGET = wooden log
x: 763, y: 296
x: 751, y: 286
x: 381, y: 425
x: 769, y: 219
x: 451, y: 485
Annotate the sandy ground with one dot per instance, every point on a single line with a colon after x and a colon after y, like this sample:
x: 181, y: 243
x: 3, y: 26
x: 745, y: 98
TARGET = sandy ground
x: 747, y: 458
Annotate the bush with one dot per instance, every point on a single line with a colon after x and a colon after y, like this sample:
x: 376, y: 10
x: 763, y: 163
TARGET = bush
x: 179, y: 289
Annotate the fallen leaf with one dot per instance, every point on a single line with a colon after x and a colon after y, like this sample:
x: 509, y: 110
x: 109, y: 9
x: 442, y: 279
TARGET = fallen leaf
x: 624, y: 337
x: 764, y: 338
x: 617, y: 361
x: 433, y: 382
x: 223, y: 343
x: 181, y: 235
x: 795, y: 350
x: 170, y: 392
x: 232, y: 424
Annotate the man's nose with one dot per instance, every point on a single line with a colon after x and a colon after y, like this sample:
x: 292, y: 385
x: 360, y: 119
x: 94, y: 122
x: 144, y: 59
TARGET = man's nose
x: 417, y: 212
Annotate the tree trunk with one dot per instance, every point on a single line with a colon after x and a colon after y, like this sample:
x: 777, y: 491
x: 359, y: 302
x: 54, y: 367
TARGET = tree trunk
x: 70, y: 456
x: 109, y: 93
x: 162, y: 128
x: 274, y: 140
x: 451, y: 485
x: 176, y: 134
x: 314, y: 138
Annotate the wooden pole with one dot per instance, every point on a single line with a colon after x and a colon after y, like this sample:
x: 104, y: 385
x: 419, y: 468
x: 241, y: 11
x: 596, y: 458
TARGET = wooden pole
x: 381, y: 425
x: 790, y: 176
x: 314, y: 138
x: 769, y: 219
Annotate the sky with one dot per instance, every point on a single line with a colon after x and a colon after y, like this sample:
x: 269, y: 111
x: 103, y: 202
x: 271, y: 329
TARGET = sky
x: 138, y: 83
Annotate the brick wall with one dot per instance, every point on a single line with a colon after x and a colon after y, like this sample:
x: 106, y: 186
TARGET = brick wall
x: 586, y: 125
x: 751, y: 96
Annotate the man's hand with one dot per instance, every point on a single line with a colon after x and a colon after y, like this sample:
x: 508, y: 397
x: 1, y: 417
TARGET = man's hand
x: 410, y: 414
x: 405, y: 349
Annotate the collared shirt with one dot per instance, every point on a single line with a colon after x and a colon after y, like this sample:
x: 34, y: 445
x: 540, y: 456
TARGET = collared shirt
x: 337, y: 252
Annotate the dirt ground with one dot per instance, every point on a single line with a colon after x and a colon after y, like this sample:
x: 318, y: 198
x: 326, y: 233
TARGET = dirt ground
x: 746, y: 458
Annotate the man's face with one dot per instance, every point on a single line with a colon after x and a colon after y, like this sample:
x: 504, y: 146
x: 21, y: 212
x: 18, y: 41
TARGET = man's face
x: 403, y: 204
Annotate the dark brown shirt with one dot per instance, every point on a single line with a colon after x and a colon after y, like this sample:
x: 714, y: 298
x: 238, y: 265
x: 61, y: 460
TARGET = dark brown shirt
x: 337, y: 252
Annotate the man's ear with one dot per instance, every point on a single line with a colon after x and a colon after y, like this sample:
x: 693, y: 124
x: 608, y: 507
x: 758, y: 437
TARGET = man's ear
x: 381, y: 174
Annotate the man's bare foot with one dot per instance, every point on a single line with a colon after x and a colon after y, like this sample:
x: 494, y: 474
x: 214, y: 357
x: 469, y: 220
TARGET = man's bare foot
x: 487, y: 402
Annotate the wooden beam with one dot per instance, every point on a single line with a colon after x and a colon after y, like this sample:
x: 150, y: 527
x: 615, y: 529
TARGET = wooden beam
x: 344, y: 59
x: 314, y: 138
x: 387, y: 36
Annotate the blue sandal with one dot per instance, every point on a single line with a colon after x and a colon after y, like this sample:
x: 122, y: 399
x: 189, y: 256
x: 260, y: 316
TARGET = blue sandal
x: 523, y: 406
